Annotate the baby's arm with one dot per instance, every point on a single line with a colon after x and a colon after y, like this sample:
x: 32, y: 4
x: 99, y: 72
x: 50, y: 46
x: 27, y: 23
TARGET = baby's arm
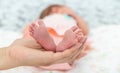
x: 80, y: 22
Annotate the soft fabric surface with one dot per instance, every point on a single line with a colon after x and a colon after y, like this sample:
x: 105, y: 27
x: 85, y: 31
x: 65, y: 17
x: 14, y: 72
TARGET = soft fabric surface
x: 59, y: 22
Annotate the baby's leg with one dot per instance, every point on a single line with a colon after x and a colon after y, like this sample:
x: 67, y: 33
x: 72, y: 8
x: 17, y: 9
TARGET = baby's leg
x: 41, y: 35
x: 71, y: 37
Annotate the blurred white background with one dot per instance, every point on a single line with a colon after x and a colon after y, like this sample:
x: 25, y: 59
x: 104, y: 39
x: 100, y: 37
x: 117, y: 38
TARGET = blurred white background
x: 15, y: 14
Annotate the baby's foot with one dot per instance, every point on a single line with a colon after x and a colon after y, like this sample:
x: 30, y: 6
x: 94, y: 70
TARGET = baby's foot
x: 41, y: 35
x: 71, y: 37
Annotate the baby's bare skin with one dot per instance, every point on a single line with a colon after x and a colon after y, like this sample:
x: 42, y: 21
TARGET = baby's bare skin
x: 41, y: 35
x: 71, y: 37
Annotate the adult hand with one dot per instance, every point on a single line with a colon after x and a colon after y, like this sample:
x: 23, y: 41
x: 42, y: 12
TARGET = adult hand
x: 26, y: 52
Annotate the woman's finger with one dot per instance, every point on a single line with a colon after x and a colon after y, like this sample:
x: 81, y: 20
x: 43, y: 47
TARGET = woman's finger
x: 75, y: 54
x: 82, y: 47
x: 63, y: 57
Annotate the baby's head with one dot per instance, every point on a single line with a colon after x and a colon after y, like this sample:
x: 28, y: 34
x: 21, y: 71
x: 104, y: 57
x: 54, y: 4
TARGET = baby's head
x: 51, y: 10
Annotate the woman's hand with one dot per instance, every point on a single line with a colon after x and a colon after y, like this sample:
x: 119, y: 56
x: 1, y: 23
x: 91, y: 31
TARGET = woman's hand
x: 26, y: 52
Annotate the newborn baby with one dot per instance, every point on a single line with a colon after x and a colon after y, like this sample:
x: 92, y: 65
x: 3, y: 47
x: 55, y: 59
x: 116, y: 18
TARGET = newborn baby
x: 56, y: 33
